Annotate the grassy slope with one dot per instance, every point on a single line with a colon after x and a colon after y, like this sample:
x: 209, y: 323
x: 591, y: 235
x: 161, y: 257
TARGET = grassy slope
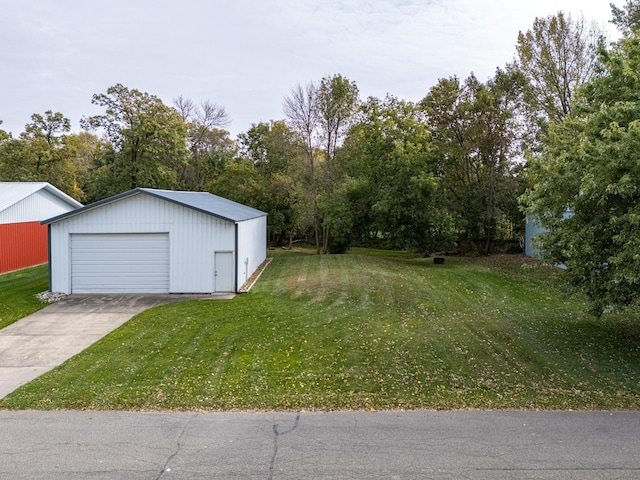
x: 17, y: 293
x: 361, y: 332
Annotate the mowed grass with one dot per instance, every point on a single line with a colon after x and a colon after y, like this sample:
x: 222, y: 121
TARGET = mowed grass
x: 18, y: 290
x: 364, y: 330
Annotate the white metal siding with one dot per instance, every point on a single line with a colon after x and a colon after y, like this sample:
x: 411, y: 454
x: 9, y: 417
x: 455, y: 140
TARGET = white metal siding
x: 252, y: 247
x: 36, y: 207
x: 120, y: 263
x: 532, y: 229
x: 194, y: 237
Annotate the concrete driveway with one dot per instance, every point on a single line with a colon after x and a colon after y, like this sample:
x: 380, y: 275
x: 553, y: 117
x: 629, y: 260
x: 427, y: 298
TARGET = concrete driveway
x: 45, y: 339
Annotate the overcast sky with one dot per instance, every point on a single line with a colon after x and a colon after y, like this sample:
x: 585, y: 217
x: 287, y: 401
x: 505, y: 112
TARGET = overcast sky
x: 246, y: 55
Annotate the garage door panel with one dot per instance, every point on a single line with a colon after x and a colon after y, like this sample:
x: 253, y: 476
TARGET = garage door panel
x: 123, y: 259
x: 108, y: 269
x: 117, y: 279
x: 114, y: 282
x: 117, y: 259
x: 120, y: 263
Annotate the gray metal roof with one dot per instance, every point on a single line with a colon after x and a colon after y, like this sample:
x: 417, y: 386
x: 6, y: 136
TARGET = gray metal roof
x: 201, y: 201
x: 208, y: 203
x: 14, y: 192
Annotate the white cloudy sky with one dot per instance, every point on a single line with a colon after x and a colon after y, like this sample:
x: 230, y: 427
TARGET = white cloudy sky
x: 246, y: 55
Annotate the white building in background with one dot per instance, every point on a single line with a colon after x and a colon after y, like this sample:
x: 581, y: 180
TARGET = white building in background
x: 23, y: 205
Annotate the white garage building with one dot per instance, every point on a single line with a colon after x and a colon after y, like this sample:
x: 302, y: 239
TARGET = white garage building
x: 156, y: 241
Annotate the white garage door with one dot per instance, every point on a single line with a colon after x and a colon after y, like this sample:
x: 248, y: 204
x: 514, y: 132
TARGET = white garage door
x: 120, y: 263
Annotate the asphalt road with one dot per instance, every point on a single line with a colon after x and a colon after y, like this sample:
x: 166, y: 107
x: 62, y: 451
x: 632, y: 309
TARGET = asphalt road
x: 345, y: 445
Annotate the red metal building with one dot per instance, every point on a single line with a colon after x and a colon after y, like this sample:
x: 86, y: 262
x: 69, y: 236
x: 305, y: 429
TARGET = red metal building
x: 23, y: 205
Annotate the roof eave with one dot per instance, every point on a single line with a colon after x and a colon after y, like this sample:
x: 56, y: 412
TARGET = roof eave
x: 148, y: 192
x: 63, y: 196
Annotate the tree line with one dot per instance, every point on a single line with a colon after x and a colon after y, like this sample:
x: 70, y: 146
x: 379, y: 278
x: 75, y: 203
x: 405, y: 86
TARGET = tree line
x: 336, y: 170
x: 448, y: 172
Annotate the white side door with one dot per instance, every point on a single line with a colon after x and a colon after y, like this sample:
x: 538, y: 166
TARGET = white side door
x: 223, y: 276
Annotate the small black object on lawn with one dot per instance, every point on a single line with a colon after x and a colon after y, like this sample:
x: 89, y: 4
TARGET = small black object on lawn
x: 438, y: 260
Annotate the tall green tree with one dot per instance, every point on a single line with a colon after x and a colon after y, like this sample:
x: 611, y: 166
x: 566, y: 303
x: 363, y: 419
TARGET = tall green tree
x: 590, y: 168
x: 44, y: 153
x: 85, y: 151
x: 302, y: 117
x: 239, y: 181
x: 15, y: 163
x: 393, y: 192
x: 275, y: 152
x: 475, y: 133
x: 149, y: 141
x: 321, y: 115
x: 273, y: 147
x: 45, y: 140
x: 336, y: 102
x: 556, y: 56
x: 627, y: 18
x: 210, y: 147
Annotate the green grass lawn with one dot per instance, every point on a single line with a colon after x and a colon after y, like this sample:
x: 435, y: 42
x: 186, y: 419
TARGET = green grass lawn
x: 362, y: 331
x: 17, y: 293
